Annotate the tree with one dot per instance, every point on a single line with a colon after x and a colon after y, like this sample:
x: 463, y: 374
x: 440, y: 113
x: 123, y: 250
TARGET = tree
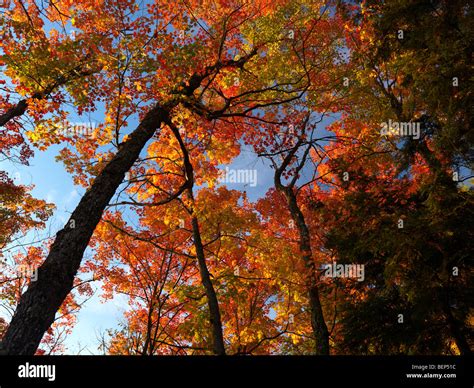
x: 150, y: 272
x: 388, y: 85
x: 290, y: 167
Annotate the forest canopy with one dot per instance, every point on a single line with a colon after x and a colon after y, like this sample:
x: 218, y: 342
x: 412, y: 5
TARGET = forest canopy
x: 348, y: 229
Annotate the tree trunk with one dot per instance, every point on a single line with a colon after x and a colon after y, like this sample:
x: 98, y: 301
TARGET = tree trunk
x: 213, y: 304
x: 318, y: 324
x: 455, y: 327
x: 38, y: 305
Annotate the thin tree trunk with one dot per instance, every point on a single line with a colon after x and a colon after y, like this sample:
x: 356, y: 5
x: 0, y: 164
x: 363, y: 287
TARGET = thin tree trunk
x: 318, y: 324
x: 149, y: 326
x: 213, y: 304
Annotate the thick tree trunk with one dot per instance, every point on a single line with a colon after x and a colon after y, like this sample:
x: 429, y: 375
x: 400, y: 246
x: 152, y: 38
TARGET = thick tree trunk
x: 39, y: 304
x: 318, y: 324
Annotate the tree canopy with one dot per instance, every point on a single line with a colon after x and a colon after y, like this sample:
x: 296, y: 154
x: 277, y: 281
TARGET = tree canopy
x: 357, y: 115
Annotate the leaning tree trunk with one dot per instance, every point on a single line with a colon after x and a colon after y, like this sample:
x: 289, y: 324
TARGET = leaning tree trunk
x: 318, y: 324
x: 39, y: 304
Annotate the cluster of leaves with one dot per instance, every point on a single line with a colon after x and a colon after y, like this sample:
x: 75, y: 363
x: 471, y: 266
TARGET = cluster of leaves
x: 16, y: 275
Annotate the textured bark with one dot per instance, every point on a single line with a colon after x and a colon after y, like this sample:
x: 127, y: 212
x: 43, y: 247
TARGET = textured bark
x: 39, y: 304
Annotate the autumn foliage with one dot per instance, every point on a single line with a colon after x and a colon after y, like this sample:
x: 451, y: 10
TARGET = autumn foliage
x: 178, y: 92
